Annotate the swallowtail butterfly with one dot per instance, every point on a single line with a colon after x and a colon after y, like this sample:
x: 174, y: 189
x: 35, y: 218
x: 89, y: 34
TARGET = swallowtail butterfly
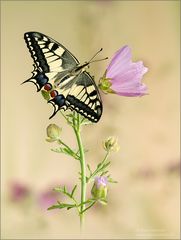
x: 58, y: 72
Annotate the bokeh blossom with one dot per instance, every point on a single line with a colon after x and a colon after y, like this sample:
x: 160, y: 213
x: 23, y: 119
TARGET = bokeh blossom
x: 19, y: 192
x: 47, y: 198
x: 123, y: 77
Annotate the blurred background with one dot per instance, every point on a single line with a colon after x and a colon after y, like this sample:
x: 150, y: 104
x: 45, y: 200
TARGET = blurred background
x: 144, y: 204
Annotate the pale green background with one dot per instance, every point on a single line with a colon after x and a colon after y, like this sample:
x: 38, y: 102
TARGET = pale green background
x: 147, y: 127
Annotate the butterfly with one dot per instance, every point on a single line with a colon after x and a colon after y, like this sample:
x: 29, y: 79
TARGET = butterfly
x: 58, y: 72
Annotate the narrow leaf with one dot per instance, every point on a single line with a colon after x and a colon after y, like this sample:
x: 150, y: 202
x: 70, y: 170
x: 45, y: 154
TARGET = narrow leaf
x: 88, y: 166
x: 61, y: 205
x: 112, y: 180
x: 58, y: 189
x: 73, y: 190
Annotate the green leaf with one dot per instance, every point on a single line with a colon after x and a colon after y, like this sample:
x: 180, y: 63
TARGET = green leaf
x: 62, y: 150
x: 58, y: 189
x: 104, y: 173
x: 50, y: 140
x: 100, y: 170
x: 90, y: 200
x: 70, y: 207
x: 105, y: 165
x: 64, y: 189
x: 66, y: 151
x: 98, y: 165
x: 62, y: 205
x: 88, y: 166
x: 45, y: 94
x: 73, y: 190
x: 112, y: 180
x: 57, y: 150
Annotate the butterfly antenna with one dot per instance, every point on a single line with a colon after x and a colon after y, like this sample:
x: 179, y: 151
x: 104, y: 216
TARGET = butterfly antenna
x: 95, y: 55
x: 99, y: 60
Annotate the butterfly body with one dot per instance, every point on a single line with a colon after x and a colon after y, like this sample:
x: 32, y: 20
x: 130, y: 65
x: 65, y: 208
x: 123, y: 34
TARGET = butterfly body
x: 59, y: 73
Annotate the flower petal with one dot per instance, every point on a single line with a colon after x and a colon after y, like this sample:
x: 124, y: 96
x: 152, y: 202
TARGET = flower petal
x: 132, y: 90
x: 134, y: 73
x: 120, y: 61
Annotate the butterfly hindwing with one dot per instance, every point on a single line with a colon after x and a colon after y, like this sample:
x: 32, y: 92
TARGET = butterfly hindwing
x: 84, y: 97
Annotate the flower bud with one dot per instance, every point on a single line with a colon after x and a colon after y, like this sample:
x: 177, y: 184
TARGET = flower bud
x: 53, y: 132
x: 111, y: 144
x: 99, y: 189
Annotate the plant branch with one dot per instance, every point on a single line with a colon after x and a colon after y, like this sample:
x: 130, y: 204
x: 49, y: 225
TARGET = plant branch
x: 100, y: 167
x: 76, y: 127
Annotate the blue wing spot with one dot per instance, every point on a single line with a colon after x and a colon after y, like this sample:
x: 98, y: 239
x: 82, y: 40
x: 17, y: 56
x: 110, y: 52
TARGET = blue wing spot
x: 41, y: 79
x: 59, y: 100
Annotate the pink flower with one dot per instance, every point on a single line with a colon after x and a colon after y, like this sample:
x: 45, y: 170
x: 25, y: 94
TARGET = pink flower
x: 18, y: 191
x: 123, y: 76
x: 47, y: 198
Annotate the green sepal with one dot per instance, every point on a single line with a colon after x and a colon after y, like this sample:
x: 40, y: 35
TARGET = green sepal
x: 50, y: 140
x: 103, y: 201
x: 105, y: 84
x: 99, y: 193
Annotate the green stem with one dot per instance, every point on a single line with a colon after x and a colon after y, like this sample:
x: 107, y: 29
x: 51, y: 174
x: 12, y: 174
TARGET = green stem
x: 106, y: 157
x: 76, y: 126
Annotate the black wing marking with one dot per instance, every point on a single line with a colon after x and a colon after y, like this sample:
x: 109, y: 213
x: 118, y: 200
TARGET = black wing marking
x: 48, y: 54
x: 84, y: 97
x: 40, y: 78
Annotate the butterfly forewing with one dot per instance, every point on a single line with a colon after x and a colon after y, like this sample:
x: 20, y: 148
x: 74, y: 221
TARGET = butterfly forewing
x: 48, y: 54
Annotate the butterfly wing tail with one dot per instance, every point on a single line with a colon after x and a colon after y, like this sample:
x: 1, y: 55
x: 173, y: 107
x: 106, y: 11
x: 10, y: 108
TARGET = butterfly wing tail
x: 38, y: 78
